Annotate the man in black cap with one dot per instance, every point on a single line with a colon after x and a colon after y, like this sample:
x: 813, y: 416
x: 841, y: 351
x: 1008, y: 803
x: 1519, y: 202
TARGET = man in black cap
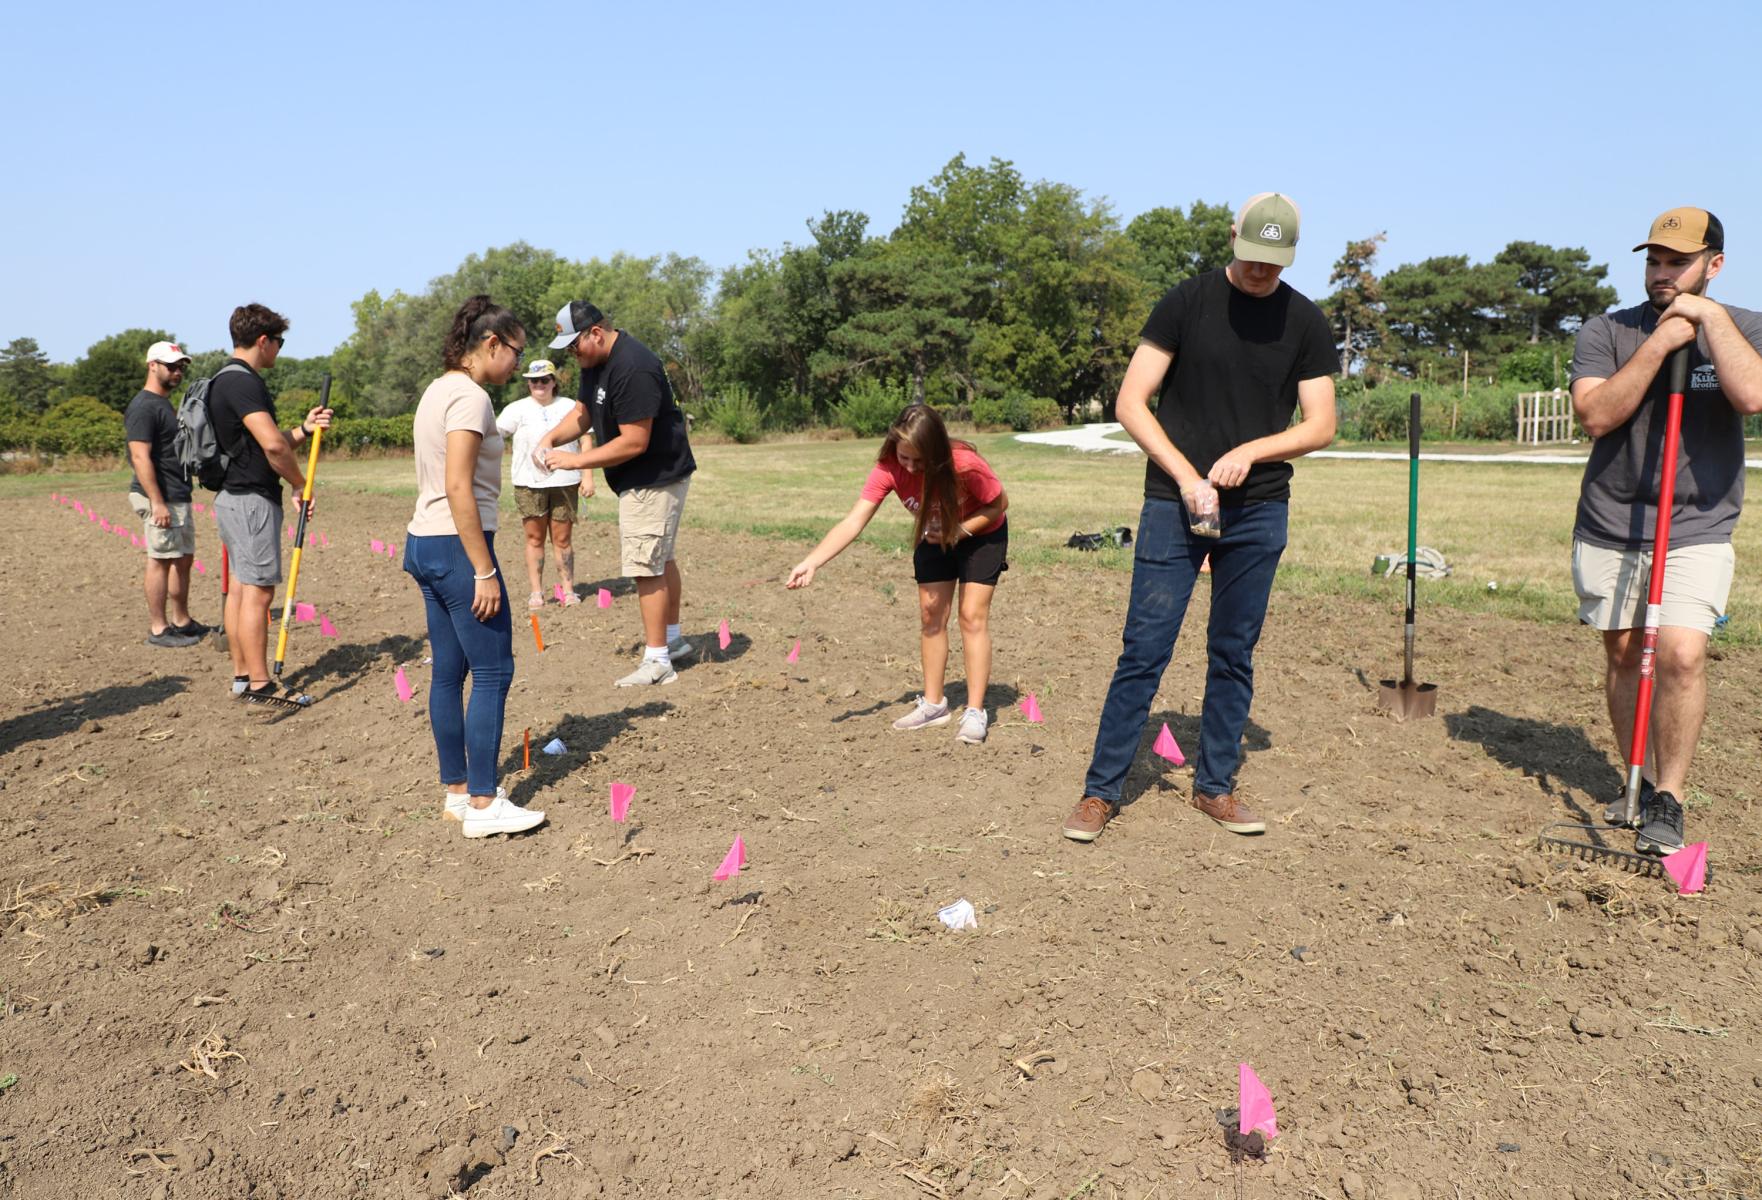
x: 639, y: 441
x: 1620, y: 393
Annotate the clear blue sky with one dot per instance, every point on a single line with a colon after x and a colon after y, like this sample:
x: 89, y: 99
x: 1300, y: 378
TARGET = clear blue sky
x: 169, y: 162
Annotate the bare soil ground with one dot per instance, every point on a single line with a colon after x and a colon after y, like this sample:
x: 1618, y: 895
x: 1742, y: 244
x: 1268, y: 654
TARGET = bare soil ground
x: 240, y: 955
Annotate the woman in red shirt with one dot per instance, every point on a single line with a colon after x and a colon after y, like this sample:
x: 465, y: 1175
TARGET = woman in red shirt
x: 957, y: 506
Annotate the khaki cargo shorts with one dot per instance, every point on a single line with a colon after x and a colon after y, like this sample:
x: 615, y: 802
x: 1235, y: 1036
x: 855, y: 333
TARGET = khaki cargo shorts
x: 648, y: 527
x: 557, y: 503
x: 178, y: 540
x: 1612, y: 585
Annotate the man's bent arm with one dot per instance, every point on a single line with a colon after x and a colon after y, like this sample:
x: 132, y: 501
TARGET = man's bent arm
x: 1144, y: 375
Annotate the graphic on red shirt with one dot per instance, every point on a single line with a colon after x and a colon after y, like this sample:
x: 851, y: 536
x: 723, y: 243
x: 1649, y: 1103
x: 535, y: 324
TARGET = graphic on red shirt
x: 979, y: 485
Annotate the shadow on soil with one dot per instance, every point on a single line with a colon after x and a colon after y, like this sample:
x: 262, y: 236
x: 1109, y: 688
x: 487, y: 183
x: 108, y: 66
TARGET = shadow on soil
x: 582, y: 737
x: 354, y: 663
x: 1150, y: 770
x: 1557, y: 757
x: 64, y: 715
x: 1000, y: 698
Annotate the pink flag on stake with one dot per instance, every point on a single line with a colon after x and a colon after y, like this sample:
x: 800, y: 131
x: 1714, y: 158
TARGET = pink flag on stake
x: 55, y: 497
x: 91, y: 514
x: 605, y: 600
x: 1031, y: 709
x: 304, y: 611
x: 405, y: 691
x: 289, y: 530
x: 1688, y: 867
x: 133, y: 540
x: 1168, y: 747
x: 391, y: 550
x: 732, y: 861
x: 794, y: 651
x: 79, y: 508
x: 377, y: 545
x: 200, y: 569
x: 723, y: 637
x: 1255, y: 1105
x: 559, y: 593
x: 621, y: 794
x: 196, y: 507
x: 326, y: 628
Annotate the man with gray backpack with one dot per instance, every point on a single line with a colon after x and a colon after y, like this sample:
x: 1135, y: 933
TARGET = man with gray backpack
x: 256, y: 456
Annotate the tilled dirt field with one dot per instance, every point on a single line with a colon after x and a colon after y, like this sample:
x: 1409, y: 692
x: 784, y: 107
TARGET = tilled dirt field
x: 240, y: 955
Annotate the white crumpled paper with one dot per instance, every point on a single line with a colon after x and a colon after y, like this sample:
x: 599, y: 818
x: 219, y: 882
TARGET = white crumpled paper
x: 554, y: 746
x: 959, y: 915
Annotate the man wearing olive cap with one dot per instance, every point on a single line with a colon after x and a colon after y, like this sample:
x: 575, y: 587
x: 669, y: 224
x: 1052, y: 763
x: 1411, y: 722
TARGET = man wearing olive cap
x: 1620, y: 395
x: 1230, y: 355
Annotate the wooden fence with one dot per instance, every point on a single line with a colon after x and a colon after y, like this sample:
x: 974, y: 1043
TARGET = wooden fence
x: 1544, y: 417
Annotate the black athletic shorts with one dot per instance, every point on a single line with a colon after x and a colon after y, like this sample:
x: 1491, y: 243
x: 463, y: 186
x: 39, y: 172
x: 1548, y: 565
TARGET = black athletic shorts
x: 981, y: 559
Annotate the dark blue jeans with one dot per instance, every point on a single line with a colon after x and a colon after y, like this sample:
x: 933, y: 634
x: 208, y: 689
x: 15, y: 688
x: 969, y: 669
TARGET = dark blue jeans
x: 1164, y: 569
x: 467, y: 740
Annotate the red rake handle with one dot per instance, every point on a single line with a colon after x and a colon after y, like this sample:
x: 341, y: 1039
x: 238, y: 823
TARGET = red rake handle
x: 1679, y: 375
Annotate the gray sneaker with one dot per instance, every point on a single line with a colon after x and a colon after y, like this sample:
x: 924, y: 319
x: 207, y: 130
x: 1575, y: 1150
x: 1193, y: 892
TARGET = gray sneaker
x: 923, y: 715
x: 171, y: 639
x: 1616, y: 812
x: 1660, y: 826
x: 973, y: 725
x: 651, y: 671
x: 679, y: 649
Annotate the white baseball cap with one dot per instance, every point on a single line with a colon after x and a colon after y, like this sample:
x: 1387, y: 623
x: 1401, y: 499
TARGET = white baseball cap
x: 166, y: 352
x: 539, y: 368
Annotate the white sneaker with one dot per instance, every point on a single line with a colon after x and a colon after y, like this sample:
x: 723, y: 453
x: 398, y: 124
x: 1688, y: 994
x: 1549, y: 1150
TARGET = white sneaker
x: 502, y: 816
x: 652, y: 670
x: 973, y: 726
x: 923, y: 716
x: 457, y: 804
x: 681, y: 649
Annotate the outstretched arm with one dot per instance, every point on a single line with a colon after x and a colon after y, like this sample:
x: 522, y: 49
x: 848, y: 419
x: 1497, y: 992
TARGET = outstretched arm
x: 833, y: 544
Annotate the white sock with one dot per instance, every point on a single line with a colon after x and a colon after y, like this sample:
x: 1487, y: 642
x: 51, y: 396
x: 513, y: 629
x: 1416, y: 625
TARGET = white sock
x: 672, y: 634
x: 657, y: 654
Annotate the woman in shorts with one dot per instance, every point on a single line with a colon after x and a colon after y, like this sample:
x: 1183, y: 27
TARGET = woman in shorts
x: 546, y: 500
x: 960, y: 538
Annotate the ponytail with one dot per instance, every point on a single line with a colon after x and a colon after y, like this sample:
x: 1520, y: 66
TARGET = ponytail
x: 476, y: 319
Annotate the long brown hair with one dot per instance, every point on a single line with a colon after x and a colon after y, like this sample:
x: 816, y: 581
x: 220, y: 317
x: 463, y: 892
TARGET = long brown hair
x: 476, y: 319
x: 920, y: 428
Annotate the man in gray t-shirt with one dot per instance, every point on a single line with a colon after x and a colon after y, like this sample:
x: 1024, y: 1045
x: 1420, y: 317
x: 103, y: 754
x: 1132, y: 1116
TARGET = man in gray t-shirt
x: 1620, y: 394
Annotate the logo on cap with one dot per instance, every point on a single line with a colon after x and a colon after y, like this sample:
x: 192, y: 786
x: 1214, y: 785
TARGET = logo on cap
x: 1670, y: 223
x: 1272, y: 231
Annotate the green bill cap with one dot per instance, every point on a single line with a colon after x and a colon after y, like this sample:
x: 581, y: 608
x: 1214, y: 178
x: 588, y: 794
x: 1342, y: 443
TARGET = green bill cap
x: 1266, y: 229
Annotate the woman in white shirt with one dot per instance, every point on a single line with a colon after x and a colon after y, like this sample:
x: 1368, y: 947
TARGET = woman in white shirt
x: 546, y: 500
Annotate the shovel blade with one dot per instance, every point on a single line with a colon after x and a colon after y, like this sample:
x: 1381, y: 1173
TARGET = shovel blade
x: 1406, y: 698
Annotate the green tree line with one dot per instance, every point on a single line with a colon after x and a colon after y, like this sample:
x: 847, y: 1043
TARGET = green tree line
x: 1006, y: 301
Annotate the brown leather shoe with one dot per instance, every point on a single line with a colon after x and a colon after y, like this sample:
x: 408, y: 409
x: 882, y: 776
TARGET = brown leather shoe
x: 1087, y: 819
x: 1229, y: 812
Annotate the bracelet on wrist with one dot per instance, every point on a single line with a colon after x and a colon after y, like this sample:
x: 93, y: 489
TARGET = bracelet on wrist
x: 481, y: 578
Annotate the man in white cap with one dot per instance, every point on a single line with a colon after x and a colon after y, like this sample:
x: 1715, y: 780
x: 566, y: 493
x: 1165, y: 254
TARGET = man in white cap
x: 160, y: 496
x: 1620, y: 394
x: 639, y: 441
x: 1230, y: 355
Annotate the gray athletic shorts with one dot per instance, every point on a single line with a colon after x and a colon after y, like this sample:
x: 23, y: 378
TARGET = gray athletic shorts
x: 250, y: 528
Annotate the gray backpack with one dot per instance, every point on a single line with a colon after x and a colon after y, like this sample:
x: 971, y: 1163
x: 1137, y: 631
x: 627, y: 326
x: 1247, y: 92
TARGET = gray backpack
x: 197, y: 448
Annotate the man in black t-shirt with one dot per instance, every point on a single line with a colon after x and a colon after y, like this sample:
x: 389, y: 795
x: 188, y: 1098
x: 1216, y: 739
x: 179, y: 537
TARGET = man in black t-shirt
x: 639, y: 441
x: 248, y: 508
x: 1230, y: 355
x: 160, y: 496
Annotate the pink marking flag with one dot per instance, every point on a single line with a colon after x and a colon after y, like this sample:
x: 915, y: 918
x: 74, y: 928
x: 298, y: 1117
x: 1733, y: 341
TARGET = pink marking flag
x: 559, y: 593
x: 79, y: 508
x: 1688, y: 867
x: 304, y: 611
x: 377, y: 545
x: 55, y: 496
x: 133, y: 540
x: 405, y: 691
x: 605, y: 600
x: 104, y: 525
x: 391, y: 551
x: 794, y: 652
x: 289, y: 530
x: 1031, y: 709
x: 732, y: 861
x: 1255, y: 1105
x: 326, y: 538
x: 1168, y: 747
x: 200, y: 569
x: 197, y: 506
x: 326, y: 628
x: 621, y: 795
x: 91, y: 514
x: 723, y: 637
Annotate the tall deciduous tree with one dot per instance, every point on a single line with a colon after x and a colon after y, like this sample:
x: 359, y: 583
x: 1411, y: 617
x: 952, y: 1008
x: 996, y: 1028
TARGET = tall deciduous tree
x: 1445, y: 307
x: 1174, y: 245
x: 1355, y: 308
x: 25, y: 375
x: 114, y: 368
x: 1560, y: 288
x: 907, y: 303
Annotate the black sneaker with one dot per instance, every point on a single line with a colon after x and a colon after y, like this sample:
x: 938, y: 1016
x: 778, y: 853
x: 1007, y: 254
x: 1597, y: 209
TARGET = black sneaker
x: 191, y: 628
x: 170, y: 639
x: 1660, y: 826
x: 1616, y: 813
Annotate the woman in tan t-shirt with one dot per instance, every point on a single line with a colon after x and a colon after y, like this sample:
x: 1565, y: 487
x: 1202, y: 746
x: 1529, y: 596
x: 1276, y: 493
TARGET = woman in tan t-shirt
x: 450, y: 552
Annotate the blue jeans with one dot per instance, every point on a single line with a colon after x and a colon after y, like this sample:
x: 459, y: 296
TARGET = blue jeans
x: 467, y: 740
x: 1164, y: 569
